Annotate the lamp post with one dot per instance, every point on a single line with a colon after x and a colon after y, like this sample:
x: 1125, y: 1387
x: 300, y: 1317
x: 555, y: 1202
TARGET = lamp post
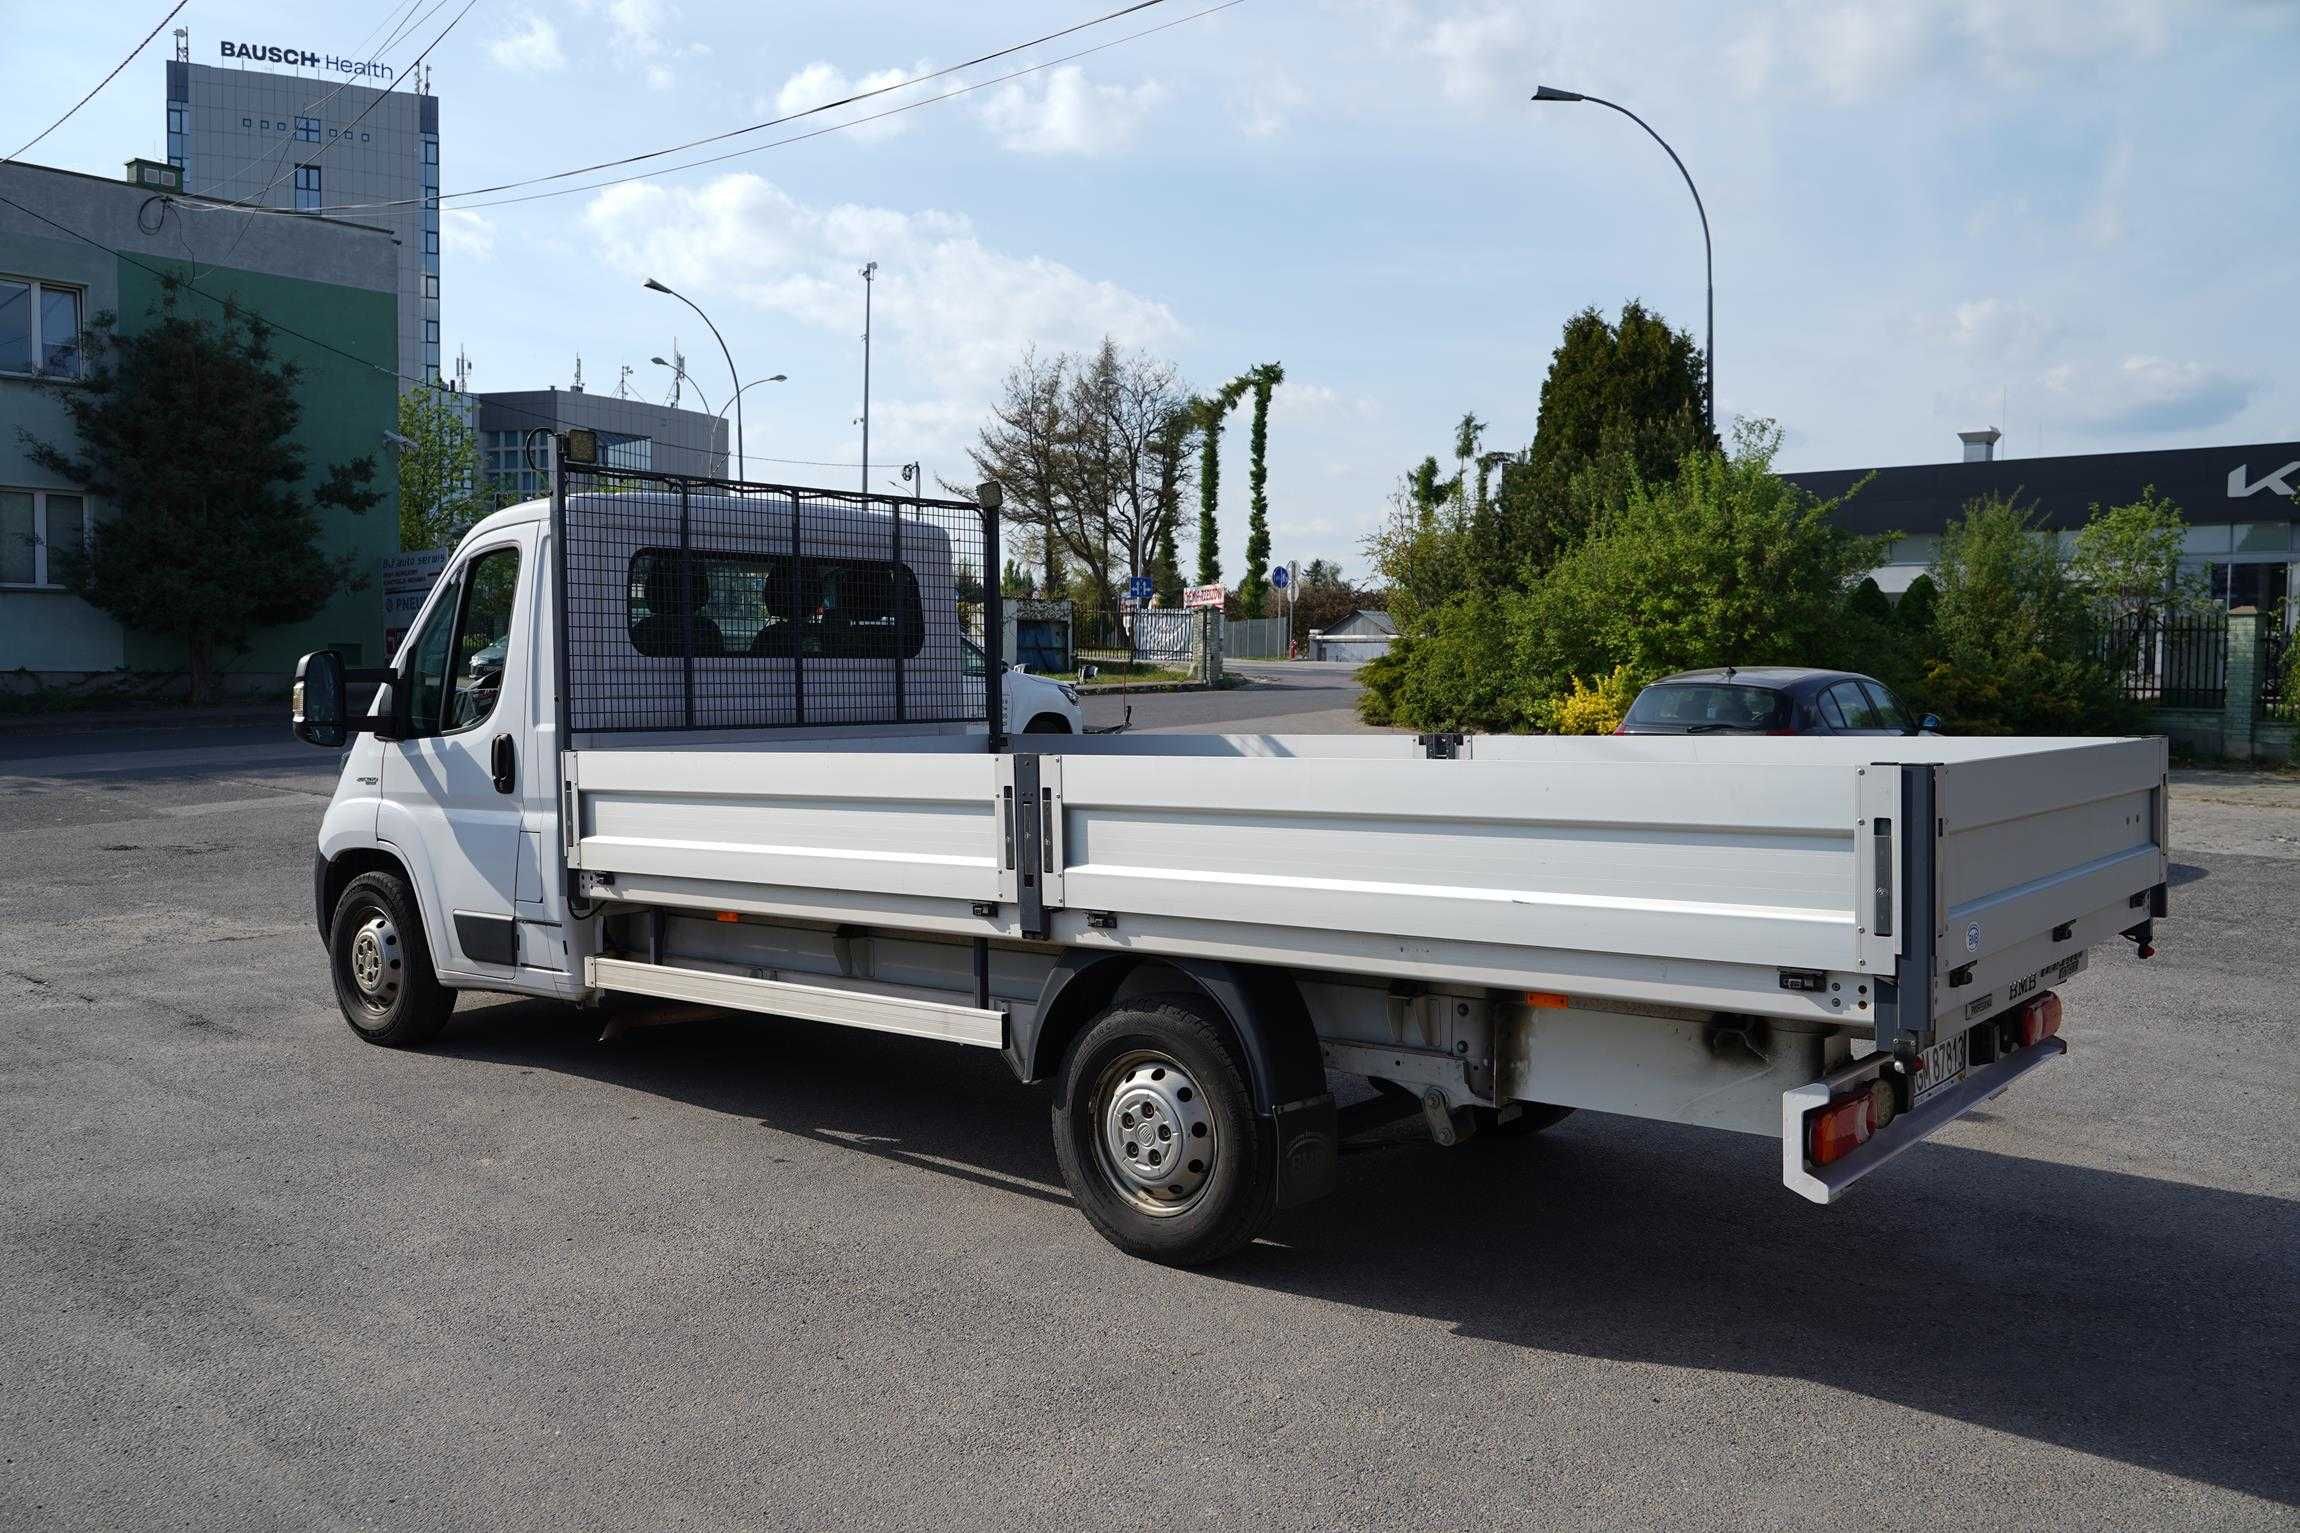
x: 869, y: 276
x: 1708, y: 260
x: 734, y: 379
x: 687, y: 378
x: 721, y: 412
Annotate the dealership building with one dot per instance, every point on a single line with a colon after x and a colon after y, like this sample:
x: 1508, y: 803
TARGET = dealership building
x: 2238, y: 503
x: 302, y: 130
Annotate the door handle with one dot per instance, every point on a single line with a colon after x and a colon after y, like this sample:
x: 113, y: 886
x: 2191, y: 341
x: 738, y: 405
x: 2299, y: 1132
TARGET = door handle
x: 504, y: 764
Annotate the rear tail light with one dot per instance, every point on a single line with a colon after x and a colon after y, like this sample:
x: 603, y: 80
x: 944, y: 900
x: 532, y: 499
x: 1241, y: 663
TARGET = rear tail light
x: 2039, y: 1019
x: 1780, y: 731
x: 1621, y: 728
x: 1843, y: 1126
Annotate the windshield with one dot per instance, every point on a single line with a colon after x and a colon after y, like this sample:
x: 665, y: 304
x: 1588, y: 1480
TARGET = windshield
x: 1711, y: 705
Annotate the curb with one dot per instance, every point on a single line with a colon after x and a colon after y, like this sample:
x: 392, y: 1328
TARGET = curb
x: 97, y: 721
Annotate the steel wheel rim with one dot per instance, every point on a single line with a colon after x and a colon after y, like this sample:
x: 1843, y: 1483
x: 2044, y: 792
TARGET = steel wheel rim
x: 376, y: 961
x: 1154, y: 1137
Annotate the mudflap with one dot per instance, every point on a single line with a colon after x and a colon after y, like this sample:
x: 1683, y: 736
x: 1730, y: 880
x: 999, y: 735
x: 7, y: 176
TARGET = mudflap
x: 1308, y: 1145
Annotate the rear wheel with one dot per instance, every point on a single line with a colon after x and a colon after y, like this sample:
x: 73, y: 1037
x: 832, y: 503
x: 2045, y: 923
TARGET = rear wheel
x: 382, y: 964
x: 1155, y: 1132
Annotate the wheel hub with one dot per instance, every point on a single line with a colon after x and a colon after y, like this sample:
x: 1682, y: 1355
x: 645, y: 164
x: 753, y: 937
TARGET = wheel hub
x: 1157, y: 1142
x: 375, y: 960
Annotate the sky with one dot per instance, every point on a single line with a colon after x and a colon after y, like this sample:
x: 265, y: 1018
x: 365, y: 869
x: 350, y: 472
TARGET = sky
x: 2075, y: 221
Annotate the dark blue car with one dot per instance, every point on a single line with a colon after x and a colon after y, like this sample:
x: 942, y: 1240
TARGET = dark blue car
x: 1770, y: 700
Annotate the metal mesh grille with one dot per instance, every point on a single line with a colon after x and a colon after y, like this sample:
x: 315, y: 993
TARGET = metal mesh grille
x: 709, y: 604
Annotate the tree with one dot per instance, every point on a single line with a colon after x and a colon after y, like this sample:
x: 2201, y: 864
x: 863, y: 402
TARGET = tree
x: 1254, y: 590
x: 2013, y: 646
x: 1166, y: 560
x: 1621, y: 402
x: 2128, y: 557
x: 1211, y: 412
x: 185, y: 430
x: 439, y: 490
x: 1079, y: 444
x: 1466, y: 436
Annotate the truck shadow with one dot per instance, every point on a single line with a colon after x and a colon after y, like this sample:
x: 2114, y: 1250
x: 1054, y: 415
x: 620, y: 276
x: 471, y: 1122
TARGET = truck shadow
x: 2136, y: 1319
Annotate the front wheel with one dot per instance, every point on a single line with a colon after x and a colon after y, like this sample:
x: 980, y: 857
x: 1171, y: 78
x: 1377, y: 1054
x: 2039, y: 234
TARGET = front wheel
x: 382, y: 964
x: 1155, y: 1131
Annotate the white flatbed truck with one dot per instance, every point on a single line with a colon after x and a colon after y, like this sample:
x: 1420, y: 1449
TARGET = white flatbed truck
x: 1840, y: 942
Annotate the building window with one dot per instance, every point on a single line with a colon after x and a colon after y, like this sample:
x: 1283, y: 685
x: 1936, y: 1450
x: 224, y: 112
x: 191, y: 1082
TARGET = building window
x: 249, y: 122
x: 431, y: 242
x: 37, y: 527
x: 175, y: 118
x: 431, y: 151
x: 39, y: 328
x: 363, y: 138
x: 307, y: 129
x: 431, y: 287
x: 307, y: 188
x: 431, y: 332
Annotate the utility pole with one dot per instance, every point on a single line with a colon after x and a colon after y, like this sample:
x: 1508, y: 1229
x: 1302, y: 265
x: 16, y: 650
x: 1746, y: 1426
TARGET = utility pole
x: 869, y: 276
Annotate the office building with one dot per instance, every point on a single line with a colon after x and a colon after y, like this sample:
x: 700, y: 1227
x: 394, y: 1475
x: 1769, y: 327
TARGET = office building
x: 633, y: 433
x: 93, y: 245
x: 343, y: 137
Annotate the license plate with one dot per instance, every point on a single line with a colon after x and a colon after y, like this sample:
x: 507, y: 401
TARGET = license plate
x: 1939, y: 1068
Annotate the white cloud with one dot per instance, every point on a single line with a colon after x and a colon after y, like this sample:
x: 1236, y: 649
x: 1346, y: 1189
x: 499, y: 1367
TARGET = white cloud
x: 2148, y: 394
x: 1857, y: 49
x: 1269, y: 102
x: 1063, y: 112
x: 1475, y: 50
x: 532, y: 48
x: 821, y: 82
x: 954, y: 311
x: 1994, y: 330
x: 640, y: 30
x: 466, y: 233
x: 2104, y: 222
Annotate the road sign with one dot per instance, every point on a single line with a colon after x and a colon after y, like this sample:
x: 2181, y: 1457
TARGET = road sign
x: 1140, y: 588
x: 1204, y: 596
x: 1280, y: 577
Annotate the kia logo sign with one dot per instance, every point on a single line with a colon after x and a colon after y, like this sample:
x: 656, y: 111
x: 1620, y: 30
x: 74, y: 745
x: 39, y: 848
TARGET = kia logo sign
x: 2280, y: 481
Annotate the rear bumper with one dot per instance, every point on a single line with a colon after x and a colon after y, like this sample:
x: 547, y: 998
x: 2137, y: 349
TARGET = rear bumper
x: 1825, y: 1184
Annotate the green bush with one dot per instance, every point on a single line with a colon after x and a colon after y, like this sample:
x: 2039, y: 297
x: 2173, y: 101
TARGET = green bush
x: 2012, y: 648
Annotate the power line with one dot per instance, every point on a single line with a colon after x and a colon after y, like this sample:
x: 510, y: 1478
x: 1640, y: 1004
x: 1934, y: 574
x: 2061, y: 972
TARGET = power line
x: 100, y: 84
x: 317, y: 102
x: 773, y: 122
x: 852, y: 122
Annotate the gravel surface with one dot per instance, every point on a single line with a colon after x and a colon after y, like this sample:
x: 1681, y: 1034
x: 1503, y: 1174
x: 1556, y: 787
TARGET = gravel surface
x: 742, y: 1274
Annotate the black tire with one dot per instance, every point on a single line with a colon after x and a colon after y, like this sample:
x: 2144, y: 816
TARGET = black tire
x: 386, y: 987
x: 1532, y: 1118
x: 1047, y: 724
x: 1171, y: 1059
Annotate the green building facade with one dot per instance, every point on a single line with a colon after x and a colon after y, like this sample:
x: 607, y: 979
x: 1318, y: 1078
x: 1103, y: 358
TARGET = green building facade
x: 333, y: 282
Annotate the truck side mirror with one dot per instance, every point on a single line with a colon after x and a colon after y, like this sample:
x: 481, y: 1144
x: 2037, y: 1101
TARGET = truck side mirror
x: 316, y: 706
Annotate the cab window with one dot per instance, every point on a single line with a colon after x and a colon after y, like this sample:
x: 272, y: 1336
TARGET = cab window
x: 457, y: 665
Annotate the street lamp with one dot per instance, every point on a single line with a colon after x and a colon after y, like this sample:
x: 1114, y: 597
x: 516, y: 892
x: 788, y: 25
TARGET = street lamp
x: 721, y: 412
x: 734, y: 379
x: 687, y: 378
x: 869, y: 276
x: 1708, y: 259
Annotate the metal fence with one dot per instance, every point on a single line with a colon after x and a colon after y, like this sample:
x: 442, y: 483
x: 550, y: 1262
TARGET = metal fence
x: 696, y: 603
x: 1254, y: 638
x: 2169, y: 660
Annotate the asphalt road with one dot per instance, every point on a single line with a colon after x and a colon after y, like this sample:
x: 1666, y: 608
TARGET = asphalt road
x: 733, y: 1273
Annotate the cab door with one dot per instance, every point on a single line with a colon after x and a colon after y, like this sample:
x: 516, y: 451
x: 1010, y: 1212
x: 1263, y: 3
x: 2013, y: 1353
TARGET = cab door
x: 451, y: 782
